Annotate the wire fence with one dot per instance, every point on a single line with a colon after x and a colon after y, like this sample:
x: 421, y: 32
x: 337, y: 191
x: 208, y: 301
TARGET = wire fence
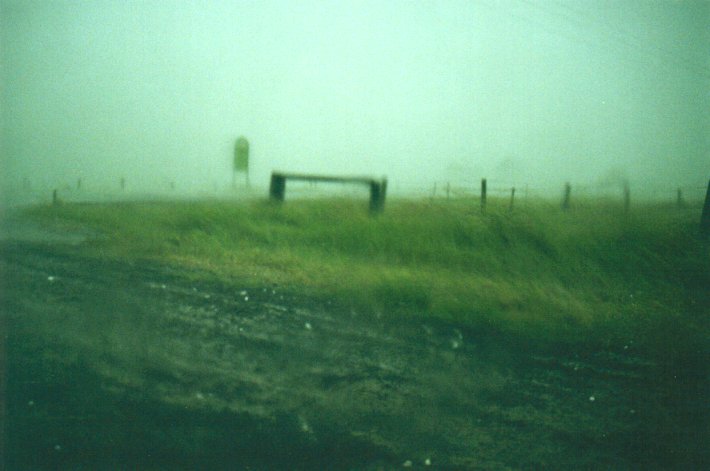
x: 520, y: 191
x: 517, y: 193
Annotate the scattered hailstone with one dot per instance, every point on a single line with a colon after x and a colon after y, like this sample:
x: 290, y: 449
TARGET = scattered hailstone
x: 455, y: 344
x: 246, y: 298
x: 57, y: 447
x: 427, y: 462
x: 163, y: 286
x: 243, y: 293
x: 31, y: 403
x: 51, y: 278
x: 592, y: 398
x: 305, y: 428
x: 308, y: 326
x: 407, y: 464
x: 199, y: 396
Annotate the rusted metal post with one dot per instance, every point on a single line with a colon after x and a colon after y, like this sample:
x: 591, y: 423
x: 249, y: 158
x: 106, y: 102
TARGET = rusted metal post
x: 484, y: 186
x: 277, y: 188
x: 566, y: 197
x: 705, y: 218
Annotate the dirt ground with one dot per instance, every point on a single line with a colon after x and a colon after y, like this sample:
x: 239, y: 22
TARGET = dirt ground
x: 113, y: 365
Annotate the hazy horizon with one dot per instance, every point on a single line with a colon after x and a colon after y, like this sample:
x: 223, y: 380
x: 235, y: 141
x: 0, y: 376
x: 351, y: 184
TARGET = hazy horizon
x: 529, y: 92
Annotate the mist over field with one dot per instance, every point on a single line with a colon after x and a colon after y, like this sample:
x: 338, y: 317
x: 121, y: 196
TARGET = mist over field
x: 530, y: 92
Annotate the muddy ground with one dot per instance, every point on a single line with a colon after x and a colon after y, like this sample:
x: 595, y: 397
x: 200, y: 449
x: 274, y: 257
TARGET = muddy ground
x: 113, y: 365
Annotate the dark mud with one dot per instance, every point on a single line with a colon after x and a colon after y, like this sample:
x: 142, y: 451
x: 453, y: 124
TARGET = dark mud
x: 114, y: 365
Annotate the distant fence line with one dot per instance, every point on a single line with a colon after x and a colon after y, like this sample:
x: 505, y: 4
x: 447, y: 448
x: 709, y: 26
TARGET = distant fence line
x: 84, y: 189
x: 497, y: 188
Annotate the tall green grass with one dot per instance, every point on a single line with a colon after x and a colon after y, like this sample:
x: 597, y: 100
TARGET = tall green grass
x: 593, y: 275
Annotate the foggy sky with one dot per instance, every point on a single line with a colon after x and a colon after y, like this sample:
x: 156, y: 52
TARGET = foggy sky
x: 532, y: 92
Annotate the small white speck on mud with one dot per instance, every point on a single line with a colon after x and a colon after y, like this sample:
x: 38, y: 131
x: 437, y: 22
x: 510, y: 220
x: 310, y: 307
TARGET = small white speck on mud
x: 31, y: 403
x: 407, y: 464
x: 592, y: 399
x: 243, y: 293
x: 163, y: 286
x: 207, y: 296
x: 246, y: 298
x: 57, y: 448
x: 427, y: 462
x: 632, y: 411
x: 305, y: 428
x: 308, y: 326
x: 200, y: 396
x: 455, y: 344
x: 51, y: 278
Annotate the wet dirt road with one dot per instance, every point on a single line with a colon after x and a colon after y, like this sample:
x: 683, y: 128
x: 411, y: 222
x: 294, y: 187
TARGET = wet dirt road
x: 115, y: 365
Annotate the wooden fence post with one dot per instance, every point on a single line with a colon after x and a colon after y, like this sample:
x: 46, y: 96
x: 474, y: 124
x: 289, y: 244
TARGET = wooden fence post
x: 565, y: 199
x: 277, y: 188
x: 705, y: 218
x: 484, y: 190
x: 378, y: 190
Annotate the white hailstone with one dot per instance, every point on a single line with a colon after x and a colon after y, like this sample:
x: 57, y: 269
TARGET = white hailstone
x: 246, y: 298
x: 305, y: 428
x: 243, y: 293
x: 455, y: 344
x: 407, y: 464
x: 163, y: 286
x: 31, y: 403
x: 57, y: 447
x: 308, y: 326
x: 592, y: 398
x: 51, y: 278
x: 427, y: 462
x: 199, y: 396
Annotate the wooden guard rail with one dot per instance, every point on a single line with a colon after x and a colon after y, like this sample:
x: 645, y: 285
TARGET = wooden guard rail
x: 378, y: 188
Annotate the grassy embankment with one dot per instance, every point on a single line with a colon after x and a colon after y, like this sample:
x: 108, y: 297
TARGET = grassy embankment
x: 592, y: 275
